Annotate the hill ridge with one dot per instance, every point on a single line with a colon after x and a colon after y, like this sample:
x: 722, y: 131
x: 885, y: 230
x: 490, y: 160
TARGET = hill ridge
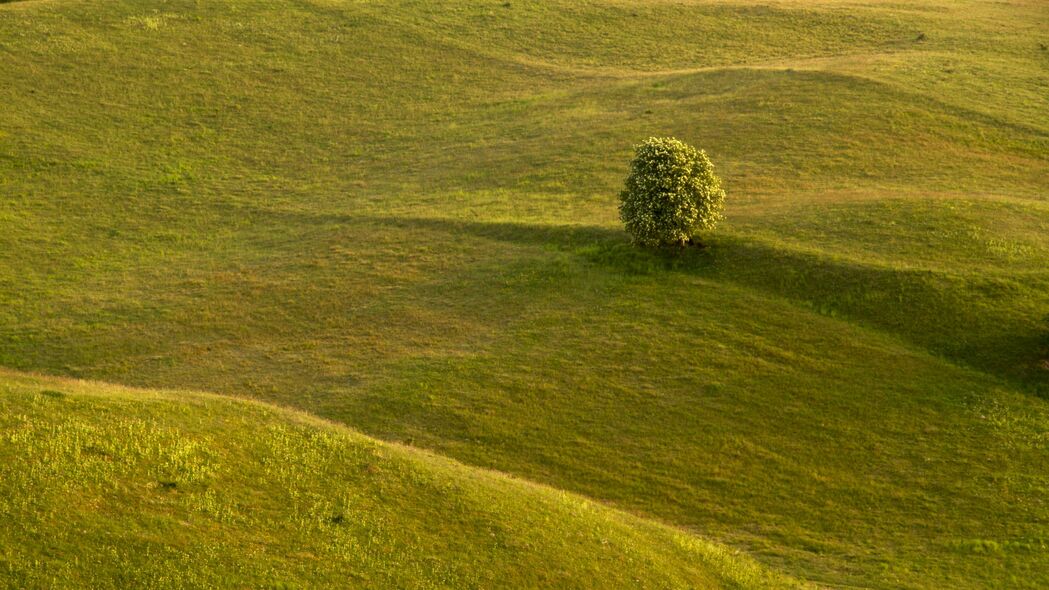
x: 53, y: 417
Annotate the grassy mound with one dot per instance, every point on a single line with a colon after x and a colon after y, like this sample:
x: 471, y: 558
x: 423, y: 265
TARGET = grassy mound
x: 401, y: 216
x: 105, y: 487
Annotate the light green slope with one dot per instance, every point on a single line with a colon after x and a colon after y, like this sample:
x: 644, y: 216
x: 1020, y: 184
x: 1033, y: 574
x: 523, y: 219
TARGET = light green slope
x: 401, y: 216
x: 106, y: 487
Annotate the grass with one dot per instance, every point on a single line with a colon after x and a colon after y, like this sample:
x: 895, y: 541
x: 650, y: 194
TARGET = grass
x: 402, y: 218
x: 106, y: 487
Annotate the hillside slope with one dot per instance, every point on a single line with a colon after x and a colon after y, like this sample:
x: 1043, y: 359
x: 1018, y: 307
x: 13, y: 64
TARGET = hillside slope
x: 401, y: 216
x: 107, y: 487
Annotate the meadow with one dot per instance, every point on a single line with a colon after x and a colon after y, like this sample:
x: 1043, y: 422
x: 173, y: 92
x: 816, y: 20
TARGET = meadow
x: 399, y: 218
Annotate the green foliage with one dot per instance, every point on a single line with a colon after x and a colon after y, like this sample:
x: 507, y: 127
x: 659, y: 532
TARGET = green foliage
x: 671, y: 193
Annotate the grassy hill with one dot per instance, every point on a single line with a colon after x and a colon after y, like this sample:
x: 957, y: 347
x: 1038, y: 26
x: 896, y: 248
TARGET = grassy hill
x: 107, y: 487
x: 401, y: 216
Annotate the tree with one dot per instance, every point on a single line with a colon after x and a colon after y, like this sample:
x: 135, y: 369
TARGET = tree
x: 671, y: 194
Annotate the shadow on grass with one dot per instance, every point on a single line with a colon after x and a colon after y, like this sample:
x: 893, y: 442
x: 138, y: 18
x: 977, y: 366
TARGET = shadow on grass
x: 989, y: 323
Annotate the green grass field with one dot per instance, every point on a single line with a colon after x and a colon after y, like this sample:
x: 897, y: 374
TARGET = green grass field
x: 143, y: 489
x: 400, y: 216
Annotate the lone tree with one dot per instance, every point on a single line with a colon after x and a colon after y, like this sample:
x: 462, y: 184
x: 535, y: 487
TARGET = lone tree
x: 671, y: 194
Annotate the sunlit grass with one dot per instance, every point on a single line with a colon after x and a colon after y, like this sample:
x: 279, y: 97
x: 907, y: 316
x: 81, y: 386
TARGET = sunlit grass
x: 401, y: 216
x: 103, y: 487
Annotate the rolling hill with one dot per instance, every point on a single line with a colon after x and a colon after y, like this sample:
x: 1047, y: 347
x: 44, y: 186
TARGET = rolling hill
x: 400, y: 216
x: 108, y: 487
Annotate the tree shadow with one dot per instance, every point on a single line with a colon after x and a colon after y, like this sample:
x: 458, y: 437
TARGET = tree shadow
x: 974, y: 321
x: 982, y: 322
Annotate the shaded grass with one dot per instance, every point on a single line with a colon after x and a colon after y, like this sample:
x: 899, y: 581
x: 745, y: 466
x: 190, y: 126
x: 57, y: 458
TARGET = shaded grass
x: 975, y: 316
x: 779, y: 408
